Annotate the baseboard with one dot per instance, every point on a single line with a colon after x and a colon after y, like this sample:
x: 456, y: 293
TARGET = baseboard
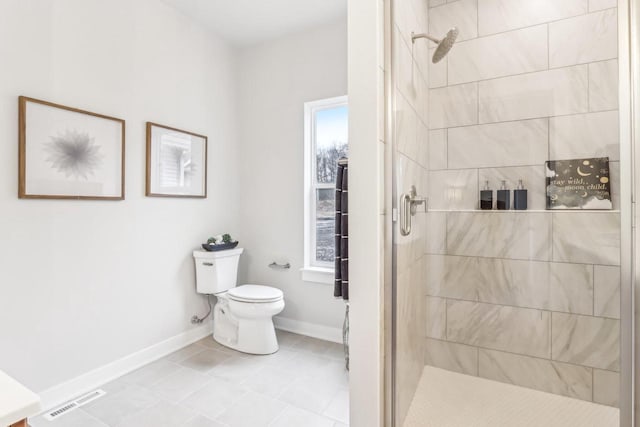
x: 309, y: 329
x: 59, y: 394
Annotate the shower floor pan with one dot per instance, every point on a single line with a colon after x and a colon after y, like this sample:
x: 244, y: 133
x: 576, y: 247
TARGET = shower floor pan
x: 449, y: 399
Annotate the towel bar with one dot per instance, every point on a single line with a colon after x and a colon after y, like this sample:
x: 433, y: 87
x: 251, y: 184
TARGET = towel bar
x: 280, y: 266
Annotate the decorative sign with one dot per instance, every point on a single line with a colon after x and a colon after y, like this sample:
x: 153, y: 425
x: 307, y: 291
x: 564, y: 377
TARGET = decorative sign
x: 578, y: 184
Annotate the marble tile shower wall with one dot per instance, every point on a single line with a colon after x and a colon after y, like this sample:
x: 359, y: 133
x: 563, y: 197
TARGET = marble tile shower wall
x: 528, y: 297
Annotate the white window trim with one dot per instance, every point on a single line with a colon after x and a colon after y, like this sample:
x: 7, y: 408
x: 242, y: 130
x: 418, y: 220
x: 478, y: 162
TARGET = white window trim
x: 314, y: 272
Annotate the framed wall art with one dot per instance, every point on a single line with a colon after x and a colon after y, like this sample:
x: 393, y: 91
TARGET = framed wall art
x: 67, y: 153
x: 176, y: 162
x: 578, y: 184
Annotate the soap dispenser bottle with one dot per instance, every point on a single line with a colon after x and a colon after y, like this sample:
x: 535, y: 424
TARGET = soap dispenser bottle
x: 520, y: 197
x: 486, y: 197
x: 504, y: 199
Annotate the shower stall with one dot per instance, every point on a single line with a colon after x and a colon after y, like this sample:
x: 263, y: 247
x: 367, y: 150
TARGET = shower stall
x: 509, y: 316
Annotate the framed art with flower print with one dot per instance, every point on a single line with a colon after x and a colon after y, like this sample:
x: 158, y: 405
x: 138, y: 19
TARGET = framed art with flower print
x: 67, y: 153
x: 176, y: 162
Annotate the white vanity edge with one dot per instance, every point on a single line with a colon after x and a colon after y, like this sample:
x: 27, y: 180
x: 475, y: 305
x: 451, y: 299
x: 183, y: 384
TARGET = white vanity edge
x: 16, y: 401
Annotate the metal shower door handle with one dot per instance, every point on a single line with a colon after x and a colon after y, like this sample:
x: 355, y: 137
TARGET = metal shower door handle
x: 408, y: 208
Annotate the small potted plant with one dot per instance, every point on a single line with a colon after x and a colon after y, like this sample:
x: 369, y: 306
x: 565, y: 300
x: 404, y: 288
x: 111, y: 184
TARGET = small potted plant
x: 220, y: 243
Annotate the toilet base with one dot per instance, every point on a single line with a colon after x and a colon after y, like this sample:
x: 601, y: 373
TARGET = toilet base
x: 253, y: 338
x: 247, y: 328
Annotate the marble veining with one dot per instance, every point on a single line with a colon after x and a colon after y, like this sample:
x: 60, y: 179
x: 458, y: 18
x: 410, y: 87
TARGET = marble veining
x: 603, y: 85
x: 607, y: 291
x: 452, y: 277
x: 585, y: 135
x: 452, y: 356
x: 516, y: 143
x: 586, y: 237
x: 505, y: 54
x: 586, y: 340
x: 606, y: 387
x: 517, y: 330
x: 453, y: 106
x: 495, y: 16
x: 586, y: 38
x: 436, y: 317
x: 500, y: 234
x: 540, y: 94
x: 601, y: 4
x: 437, y: 149
x: 453, y: 189
x: 540, y: 374
x: 462, y: 14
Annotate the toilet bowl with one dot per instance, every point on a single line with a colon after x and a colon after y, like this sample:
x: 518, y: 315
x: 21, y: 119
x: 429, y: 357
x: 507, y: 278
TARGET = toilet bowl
x: 242, y: 315
x: 242, y: 318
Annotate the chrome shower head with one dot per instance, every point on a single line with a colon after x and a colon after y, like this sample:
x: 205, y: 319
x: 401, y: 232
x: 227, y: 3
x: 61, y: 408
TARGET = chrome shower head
x: 444, y: 45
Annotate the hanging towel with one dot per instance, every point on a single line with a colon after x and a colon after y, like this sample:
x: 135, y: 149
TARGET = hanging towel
x: 341, y: 287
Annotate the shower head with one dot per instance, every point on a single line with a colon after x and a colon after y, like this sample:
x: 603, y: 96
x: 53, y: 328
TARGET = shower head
x: 444, y: 45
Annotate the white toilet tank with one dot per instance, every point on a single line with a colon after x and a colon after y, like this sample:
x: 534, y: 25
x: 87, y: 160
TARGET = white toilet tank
x: 216, y: 271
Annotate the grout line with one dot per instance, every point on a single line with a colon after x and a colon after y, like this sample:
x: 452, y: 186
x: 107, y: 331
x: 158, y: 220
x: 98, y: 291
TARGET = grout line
x: 513, y: 167
x: 542, y: 70
x: 478, y: 347
x: 524, y: 119
x: 549, y: 261
x: 524, y: 308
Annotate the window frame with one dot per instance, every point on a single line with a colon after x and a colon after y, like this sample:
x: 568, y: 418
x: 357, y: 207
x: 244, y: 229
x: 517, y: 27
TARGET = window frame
x: 314, y: 271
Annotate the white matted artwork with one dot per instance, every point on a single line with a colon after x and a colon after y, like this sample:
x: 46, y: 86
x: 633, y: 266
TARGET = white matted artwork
x: 67, y: 153
x: 176, y: 162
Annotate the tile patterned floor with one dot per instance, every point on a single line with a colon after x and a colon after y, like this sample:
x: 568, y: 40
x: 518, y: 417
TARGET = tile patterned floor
x: 208, y: 385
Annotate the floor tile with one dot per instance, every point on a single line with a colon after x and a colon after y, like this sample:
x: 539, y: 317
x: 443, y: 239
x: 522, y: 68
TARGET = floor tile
x: 209, y: 342
x: 151, y: 373
x: 253, y: 410
x: 338, y: 409
x: 312, y: 394
x: 270, y: 381
x: 185, y: 353
x: 287, y: 339
x: 205, y: 361
x: 200, y: 421
x: 334, y: 351
x: 236, y: 368
x: 162, y: 414
x: 113, y: 408
x: 214, y: 398
x: 180, y: 384
x: 312, y: 345
x: 296, y: 417
x: 75, y: 418
x: 208, y: 385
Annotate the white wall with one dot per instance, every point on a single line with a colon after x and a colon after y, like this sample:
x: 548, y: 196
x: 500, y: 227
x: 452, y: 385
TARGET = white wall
x: 83, y: 283
x: 276, y: 79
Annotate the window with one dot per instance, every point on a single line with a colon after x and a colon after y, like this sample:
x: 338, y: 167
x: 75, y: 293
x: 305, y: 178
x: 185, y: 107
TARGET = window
x: 326, y: 135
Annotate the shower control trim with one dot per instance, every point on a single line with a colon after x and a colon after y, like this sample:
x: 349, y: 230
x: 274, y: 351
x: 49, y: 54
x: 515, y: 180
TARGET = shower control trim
x: 409, y: 203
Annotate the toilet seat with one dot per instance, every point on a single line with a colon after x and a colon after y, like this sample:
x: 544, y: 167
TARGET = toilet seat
x: 255, y: 294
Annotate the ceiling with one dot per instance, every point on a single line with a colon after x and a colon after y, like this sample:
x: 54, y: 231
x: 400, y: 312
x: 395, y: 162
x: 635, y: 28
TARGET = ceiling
x: 246, y: 22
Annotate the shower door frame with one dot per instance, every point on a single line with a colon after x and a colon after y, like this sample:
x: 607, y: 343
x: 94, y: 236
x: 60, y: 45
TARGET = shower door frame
x: 629, y: 127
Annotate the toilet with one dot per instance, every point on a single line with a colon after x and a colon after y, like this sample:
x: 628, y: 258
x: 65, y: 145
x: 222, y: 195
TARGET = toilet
x: 242, y: 316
